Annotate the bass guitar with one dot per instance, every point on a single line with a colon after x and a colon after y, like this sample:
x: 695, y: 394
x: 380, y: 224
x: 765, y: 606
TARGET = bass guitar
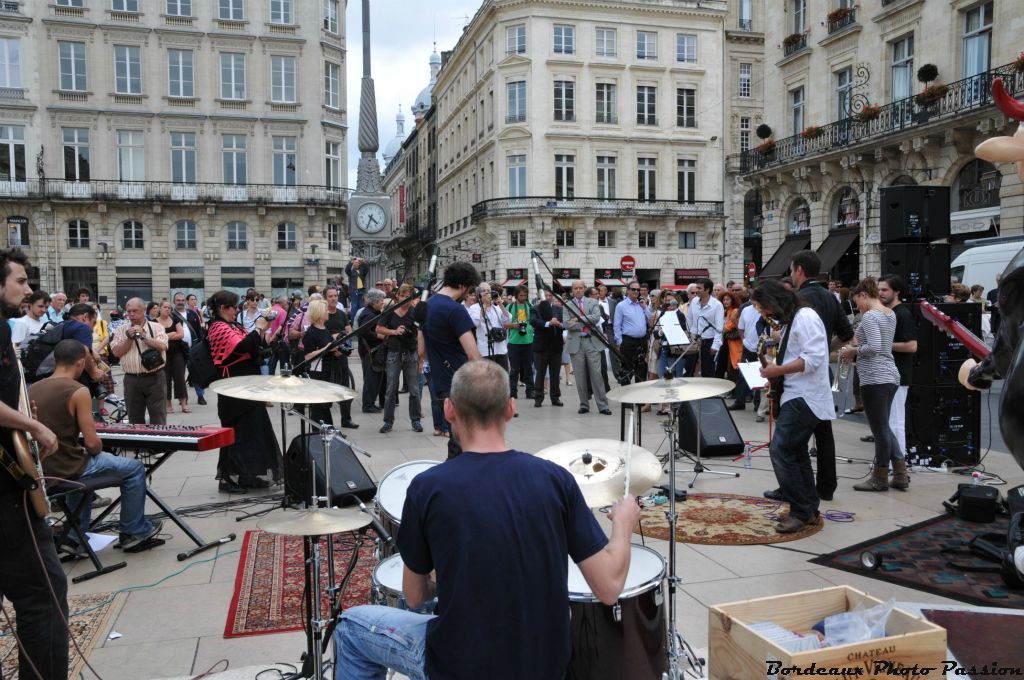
x: 26, y: 465
x: 954, y: 328
x: 767, y: 350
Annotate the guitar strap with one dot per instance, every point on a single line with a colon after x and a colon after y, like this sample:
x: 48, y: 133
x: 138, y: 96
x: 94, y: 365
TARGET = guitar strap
x: 783, y: 345
x: 13, y: 468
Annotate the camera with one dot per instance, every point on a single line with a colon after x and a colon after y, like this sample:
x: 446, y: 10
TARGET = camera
x: 346, y: 348
x: 522, y: 328
x: 271, y: 315
x: 497, y: 335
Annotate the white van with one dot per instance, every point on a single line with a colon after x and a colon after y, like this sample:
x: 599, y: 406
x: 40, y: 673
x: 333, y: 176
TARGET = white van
x: 986, y: 258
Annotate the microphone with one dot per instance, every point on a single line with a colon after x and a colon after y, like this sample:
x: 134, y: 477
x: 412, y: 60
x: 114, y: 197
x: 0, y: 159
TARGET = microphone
x: 536, y: 271
x: 375, y: 523
x: 430, y: 277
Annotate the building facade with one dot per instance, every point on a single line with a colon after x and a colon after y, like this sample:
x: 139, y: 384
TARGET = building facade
x: 150, y: 146
x: 879, y: 94
x: 584, y: 132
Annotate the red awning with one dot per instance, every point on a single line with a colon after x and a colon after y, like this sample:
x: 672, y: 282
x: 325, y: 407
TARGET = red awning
x: 692, y: 273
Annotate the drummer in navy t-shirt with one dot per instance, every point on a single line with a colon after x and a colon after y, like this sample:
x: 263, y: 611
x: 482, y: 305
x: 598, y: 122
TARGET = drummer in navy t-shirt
x: 497, y: 527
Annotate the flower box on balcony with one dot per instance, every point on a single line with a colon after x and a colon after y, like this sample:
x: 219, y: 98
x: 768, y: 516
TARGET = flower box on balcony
x: 869, y: 112
x: 765, y: 148
x: 837, y: 15
x: 811, y: 132
x: 931, y: 95
x: 792, y: 39
x: 1018, y: 64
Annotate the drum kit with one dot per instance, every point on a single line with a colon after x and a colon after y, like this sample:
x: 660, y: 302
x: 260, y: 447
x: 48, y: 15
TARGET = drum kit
x: 633, y: 638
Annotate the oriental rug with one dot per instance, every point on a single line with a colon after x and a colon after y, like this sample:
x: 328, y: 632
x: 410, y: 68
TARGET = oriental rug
x: 721, y: 519
x: 269, y: 592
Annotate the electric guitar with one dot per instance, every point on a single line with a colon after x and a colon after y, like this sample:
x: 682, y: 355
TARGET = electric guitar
x: 26, y: 465
x: 954, y: 328
x: 766, y: 352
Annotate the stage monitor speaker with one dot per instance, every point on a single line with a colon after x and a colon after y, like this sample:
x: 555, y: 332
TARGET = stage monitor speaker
x: 914, y: 213
x: 939, y: 355
x: 924, y: 267
x: 719, y: 436
x: 348, y: 476
x: 944, y: 423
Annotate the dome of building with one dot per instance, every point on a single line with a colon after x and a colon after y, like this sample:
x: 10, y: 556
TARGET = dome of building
x: 395, y: 145
x: 423, y: 99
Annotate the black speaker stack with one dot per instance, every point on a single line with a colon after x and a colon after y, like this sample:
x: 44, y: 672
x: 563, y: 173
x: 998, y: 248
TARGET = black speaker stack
x: 913, y: 218
x: 348, y: 476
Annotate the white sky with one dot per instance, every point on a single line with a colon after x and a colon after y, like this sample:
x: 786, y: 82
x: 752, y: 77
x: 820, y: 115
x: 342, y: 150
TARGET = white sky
x: 402, y: 33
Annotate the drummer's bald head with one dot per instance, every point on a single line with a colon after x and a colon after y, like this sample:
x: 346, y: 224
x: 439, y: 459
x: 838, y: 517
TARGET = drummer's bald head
x: 480, y: 395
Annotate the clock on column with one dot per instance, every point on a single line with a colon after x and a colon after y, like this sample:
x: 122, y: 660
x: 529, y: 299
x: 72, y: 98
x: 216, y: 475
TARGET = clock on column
x: 370, y: 217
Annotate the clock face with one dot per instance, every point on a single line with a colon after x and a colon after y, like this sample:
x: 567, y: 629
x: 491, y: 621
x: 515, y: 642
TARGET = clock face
x: 371, y: 218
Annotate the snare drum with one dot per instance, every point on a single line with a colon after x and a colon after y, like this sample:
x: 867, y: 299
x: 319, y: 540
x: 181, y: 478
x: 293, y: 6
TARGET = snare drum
x: 626, y: 640
x: 391, y: 498
x: 387, y: 586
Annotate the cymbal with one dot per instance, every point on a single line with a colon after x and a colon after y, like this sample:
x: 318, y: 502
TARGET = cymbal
x: 663, y: 391
x: 599, y: 467
x: 283, y: 389
x: 316, y: 522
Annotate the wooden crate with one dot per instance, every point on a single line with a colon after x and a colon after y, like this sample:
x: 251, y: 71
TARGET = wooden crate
x: 738, y: 653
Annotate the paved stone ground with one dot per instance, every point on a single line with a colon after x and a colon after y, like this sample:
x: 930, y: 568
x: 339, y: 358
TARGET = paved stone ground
x: 174, y: 628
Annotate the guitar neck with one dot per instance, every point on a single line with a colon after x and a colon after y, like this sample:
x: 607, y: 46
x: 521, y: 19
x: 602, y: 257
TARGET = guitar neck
x: 954, y: 328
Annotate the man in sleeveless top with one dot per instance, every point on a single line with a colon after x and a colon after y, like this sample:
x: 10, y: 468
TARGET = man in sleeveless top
x: 63, y: 405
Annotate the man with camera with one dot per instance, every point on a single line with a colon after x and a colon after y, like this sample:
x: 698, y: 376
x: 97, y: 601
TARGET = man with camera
x: 520, y: 344
x: 357, y: 270
x: 141, y: 347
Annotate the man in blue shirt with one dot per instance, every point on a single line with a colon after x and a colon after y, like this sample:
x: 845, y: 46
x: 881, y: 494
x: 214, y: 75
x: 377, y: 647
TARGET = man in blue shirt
x: 501, y: 569
x: 631, y: 334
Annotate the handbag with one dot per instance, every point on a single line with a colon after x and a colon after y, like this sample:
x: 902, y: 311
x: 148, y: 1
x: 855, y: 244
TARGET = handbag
x: 152, y: 359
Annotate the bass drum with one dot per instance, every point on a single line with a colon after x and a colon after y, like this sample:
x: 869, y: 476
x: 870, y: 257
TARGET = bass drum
x: 627, y: 640
x: 390, y: 498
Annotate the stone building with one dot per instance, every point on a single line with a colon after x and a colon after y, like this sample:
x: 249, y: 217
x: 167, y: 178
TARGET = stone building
x: 150, y: 146
x: 852, y: 111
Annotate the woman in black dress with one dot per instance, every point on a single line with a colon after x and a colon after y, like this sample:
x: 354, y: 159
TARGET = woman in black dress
x: 236, y: 353
x: 174, y: 368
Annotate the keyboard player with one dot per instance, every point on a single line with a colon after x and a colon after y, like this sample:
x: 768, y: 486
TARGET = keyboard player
x: 64, y: 405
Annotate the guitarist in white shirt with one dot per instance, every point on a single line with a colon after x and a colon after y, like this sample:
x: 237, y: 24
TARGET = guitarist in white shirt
x: 23, y: 580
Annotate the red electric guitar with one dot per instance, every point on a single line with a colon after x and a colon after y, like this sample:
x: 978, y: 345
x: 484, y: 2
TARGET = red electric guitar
x: 950, y: 326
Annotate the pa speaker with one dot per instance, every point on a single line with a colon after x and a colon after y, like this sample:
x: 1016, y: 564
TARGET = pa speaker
x: 914, y: 213
x: 939, y: 355
x: 924, y: 267
x: 944, y: 423
x: 348, y: 476
x: 718, y: 433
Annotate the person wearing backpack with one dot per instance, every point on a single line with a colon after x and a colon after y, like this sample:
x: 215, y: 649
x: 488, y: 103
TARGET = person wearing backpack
x: 144, y: 385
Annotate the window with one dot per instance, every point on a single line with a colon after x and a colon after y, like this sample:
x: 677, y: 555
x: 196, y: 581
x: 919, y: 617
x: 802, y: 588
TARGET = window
x: 515, y: 39
x: 287, y: 236
x: 70, y: 3
x: 179, y: 8
x: 606, y: 177
x: 238, y: 236
x: 127, y: 70
x: 648, y: 239
x: 565, y: 39
x: 844, y: 90
x: 565, y: 237
x: 180, y: 74
x: 125, y: 5
x: 800, y: 218
x: 231, y: 10
x: 605, y: 42
x: 284, y: 161
x: 565, y: 100
x: 76, y: 154
x: 132, y: 235
x: 686, y: 107
x: 517, y: 238
x: 847, y: 210
x: 799, y: 16
x: 606, y: 104
x: 902, y: 68
x: 72, y: 66
x: 332, y: 85
x: 131, y: 156
x: 331, y: 11
x: 646, y: 105
x: 78, y: 234
x: 796, y: 106
x: 332, y: 165
x: 646, y: 45
x: 646, y: 179
x: 282, y: 12
x: 183, y: 157
x: 282, y: 80
x: 686, y: 180
x: 687, y: 240
x: 185, y: 235
x: 232, y: 75
x: 234, y: 159
x: 605, y: 238
x: 565, y: 175
x: 10, y: 62
x: 686, y: 48
x: 517, y: 176
x: 515, y: 95
x: 977, y: 39
x: 12, y: 154
x: 744, y: 133
x: 745, y: 73
x: 334, y: 237
x: 746, y: 15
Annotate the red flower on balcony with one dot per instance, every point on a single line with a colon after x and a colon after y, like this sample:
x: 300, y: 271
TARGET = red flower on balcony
x: 837, y: 15
x: 811, y: 132
x: 869, y: 112
x: 792, y: 39
x: 931, y: 94
x: 766, y: 147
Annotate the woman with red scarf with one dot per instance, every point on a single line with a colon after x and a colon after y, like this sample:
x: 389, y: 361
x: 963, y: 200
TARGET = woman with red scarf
x: 237, y: 352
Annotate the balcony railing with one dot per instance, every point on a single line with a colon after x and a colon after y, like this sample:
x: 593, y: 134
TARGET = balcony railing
x: 614, y: 207
x: 515, y: 118
x: 114, y: 190
x: 10, y: 7
x: 963, y: 96
x: 746, y: 24
x: 796, y: 46
x: 850, y: 17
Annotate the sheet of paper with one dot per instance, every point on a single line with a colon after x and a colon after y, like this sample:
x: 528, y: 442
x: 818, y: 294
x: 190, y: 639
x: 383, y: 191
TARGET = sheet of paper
x: 751, y: 372
x: 100, y: 541
x: 674, y: 335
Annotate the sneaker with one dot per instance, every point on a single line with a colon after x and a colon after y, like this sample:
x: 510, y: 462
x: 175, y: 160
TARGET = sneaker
x: 202, y: 401
x: 417, y: 426
x: 128, y: 542
x: 385, y: 428
x: 99, y: 501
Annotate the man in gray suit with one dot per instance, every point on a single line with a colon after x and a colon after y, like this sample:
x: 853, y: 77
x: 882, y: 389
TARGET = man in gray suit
x: 584, y: 349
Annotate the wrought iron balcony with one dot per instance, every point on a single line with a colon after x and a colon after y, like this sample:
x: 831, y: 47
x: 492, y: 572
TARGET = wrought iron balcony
x: 864, y: 125
x: 795, y: 46
x: 746, y: 24
x: 171, y: 192
x: 516, y: 118
x: 848, y: 17
x: 12, y: 93
x: 596, y: 207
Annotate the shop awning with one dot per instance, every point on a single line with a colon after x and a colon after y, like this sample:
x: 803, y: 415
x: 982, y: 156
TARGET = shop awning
x: 835, y: 246
x: 611, y: 283
x: 779, y: 264
x: 692, y: 273
x: 566, y: 283
x: 512, y: 283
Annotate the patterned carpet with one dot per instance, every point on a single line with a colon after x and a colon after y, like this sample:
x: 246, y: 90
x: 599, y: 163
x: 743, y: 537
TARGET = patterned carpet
x: 721, y: 519
x: 269, y: 583
x: 911, y: 558
x: 90, y: 618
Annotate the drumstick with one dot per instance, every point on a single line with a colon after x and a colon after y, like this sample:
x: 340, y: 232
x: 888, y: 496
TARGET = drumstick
x: 629, y: 449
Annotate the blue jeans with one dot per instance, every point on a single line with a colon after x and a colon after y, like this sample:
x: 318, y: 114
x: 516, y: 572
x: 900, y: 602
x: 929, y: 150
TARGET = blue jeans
x: 665, y: 360
x: 436, y: 410
x: 355, y: 301
x: 790, y: 460
x: 399, y: 364
x: 371, y: 639
x: 132, y: 474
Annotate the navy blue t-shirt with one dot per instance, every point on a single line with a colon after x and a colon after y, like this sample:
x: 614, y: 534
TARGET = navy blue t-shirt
x: 447, y: 321
x: 497, y: 527
x: 76, y: 330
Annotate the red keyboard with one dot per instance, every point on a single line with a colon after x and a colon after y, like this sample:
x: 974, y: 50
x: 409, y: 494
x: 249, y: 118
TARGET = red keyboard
x: 165, y: 437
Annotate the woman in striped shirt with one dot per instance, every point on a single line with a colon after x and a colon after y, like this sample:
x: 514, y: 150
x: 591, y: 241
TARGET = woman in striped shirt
x: 879, y: 379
